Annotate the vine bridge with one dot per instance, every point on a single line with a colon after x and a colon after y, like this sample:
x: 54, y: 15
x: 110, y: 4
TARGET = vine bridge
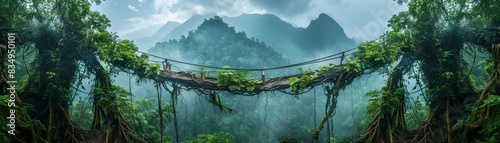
x: 338, y: 77
x: 201, y: 82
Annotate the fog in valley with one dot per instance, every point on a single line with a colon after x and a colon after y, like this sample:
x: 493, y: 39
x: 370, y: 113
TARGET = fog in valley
x: 295, y: 32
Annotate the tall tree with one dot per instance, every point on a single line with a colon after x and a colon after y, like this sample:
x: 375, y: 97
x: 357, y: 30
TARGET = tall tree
x: 432, y: 36
x: 66, y: 37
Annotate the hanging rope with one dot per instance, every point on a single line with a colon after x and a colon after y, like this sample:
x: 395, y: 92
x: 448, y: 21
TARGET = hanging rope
x: 314, y: 108
x: 352, y: 113
x: 323, y: 59
x: 158, y: 91
x: 173, y: 94
x: 328, y: 97
x: 340, y: 55
x: 131, y: 101
x: 265, y: 115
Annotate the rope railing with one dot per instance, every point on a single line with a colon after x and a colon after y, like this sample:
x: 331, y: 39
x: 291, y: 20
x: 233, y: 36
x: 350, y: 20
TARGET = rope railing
x: 323, y: 59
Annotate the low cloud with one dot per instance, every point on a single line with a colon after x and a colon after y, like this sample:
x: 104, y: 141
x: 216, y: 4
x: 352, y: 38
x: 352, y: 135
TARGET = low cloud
x: 132, y: 8
x: 353, y: 15
x: 284, y: 7
x: 174, y: 10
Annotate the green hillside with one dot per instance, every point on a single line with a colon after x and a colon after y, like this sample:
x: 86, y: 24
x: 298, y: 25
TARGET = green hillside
x: 215, y: 43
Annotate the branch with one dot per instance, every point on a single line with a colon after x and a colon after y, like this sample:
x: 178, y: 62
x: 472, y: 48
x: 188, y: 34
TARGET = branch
x: 482, y: 37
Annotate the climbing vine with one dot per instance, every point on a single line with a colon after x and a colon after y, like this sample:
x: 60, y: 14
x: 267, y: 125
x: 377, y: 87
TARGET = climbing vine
x: 299, y: 83
x: 384, y: 100
x: 235, y: 80
x: 117, y: 101
x: 373, y: 55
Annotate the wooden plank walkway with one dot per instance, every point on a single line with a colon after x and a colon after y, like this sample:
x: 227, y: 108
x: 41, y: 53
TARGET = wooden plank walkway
x: 193, y: 81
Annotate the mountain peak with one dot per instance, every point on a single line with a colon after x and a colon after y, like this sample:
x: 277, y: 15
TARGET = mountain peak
x: 323, y: 15
x: 324, y: 32
x: 325, y: 20
x: 206, y: 43
x: 323, y: 35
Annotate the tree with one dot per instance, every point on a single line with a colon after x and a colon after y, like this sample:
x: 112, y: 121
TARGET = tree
x: 432, y: 36
x: 65, y: 38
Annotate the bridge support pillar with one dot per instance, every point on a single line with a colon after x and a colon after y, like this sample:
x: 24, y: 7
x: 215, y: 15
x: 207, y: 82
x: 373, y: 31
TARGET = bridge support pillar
x: 263, y: 76
x: 202, y: 73
x: 167, y: 66
x: 342, y: 58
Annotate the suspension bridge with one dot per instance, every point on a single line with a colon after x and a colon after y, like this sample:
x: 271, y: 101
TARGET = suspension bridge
x: 338, y: 76
x: 201, y: 82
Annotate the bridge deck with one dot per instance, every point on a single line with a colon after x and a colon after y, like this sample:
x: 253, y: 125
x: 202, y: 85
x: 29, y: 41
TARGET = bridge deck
x: 191, y: 80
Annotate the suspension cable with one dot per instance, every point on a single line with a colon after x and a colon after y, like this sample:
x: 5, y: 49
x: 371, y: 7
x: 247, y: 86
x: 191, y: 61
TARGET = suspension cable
x: 326, y: 58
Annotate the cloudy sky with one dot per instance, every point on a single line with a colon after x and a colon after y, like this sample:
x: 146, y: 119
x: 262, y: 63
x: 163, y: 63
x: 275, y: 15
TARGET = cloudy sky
x: 362, y: 19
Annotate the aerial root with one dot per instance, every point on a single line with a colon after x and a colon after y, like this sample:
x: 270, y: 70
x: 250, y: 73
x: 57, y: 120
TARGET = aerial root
x: 125, y: 133
x: 425, y: 133
x: 372, y: 131
x: 380, y: 130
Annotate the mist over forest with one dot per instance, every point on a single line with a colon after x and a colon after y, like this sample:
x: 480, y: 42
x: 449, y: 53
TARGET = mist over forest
x: 249, y: 71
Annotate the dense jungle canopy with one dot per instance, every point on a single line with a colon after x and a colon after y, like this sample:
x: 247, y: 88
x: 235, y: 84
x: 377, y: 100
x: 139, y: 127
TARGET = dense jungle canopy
x: 449, y: 49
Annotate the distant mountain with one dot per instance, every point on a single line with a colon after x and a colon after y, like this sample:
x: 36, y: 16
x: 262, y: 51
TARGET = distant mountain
x: 167, y: 28
x: 322, y: 37
x: 324, y: 34
x: 188, y: 25
x: 215, y: 43
x: 142, y: 33
x: 278, y: 34
x: 146, y: 42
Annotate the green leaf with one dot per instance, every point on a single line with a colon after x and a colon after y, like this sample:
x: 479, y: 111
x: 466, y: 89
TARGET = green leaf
x: 492, y: 100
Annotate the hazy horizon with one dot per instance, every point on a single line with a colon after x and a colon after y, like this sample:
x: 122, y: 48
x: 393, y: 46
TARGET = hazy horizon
x: 364, y: 20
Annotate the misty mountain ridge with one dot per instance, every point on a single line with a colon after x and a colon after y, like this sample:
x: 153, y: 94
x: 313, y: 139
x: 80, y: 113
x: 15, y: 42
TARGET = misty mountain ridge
x: 323, y: 33
x: 323, y: 36
x: 215, y: 43
x: 157, y: 36
x: 142, y: 33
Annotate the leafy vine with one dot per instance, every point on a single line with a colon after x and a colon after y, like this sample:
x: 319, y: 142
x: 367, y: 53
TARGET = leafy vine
x: 236, y: 81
